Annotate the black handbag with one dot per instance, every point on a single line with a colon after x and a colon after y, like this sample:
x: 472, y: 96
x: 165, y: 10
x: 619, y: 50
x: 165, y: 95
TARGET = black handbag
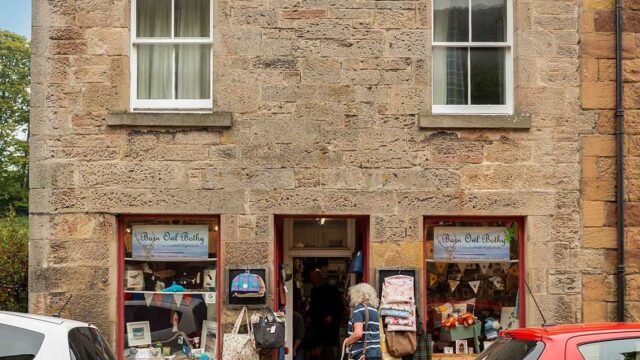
x: 269, y: 331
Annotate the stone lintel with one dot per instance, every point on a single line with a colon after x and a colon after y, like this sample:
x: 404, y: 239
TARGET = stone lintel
x: 184, y: 119
x: 516, y: 121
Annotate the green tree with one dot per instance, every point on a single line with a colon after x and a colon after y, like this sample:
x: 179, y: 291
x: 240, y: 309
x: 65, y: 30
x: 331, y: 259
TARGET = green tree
x: 15, y: 53
x: 14, y: 244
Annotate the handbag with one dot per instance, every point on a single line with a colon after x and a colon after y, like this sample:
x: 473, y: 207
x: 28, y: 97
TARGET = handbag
x: 401, y: 343
x: 269, y: 330
x: 383, y: 346
x: 239, y: 346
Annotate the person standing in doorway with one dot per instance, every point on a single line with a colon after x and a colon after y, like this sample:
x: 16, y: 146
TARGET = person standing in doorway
x: 364, y: 326
x: 326, y: 311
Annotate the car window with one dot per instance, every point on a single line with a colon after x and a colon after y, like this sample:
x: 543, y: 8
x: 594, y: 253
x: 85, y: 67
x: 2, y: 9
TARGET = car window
x: 621, y: 349
x: 513, y: 349
x: 19, y: 344
x: 86, y: 343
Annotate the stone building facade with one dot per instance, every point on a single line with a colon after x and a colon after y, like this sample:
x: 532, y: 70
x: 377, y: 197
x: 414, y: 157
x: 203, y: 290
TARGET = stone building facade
x: 323, y: 107
x: 599, y: 156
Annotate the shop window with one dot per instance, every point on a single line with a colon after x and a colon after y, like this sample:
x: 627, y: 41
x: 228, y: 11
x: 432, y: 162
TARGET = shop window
x: 472, y: 61
x: 473, y: 281
x: 170, y: 276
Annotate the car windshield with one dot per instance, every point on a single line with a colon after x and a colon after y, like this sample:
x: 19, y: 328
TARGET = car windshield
x: 513, y: 349
x: 19, y: 344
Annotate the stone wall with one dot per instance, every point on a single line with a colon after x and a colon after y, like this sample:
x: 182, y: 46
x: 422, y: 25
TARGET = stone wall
x: 599, y: 155
x: 325, y: 96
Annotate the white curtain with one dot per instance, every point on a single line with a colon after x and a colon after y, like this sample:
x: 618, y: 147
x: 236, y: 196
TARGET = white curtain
x: 153, y: 19
x: 449, y: 64
x: 192, y: 61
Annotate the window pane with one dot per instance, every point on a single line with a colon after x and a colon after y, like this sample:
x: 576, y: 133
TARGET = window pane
x: 612, y: 350
x: 489, y: 20
x: 451, y: 20
x: 153, y: 18
x: 192, y: 18
x: 193, y: 71
x: 487, y: 76
x: 87, y: 344
x: 19, y: 342
x: 450, y: 76
x: 154, y: 71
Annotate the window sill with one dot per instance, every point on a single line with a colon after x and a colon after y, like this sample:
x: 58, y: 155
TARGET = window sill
x: 438, y: 121
x: 179, y: 119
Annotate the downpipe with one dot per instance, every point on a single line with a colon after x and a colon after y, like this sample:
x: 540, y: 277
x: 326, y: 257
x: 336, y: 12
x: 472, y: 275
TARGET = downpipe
x: 620, y: 269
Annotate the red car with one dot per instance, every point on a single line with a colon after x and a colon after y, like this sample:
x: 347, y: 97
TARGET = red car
x: 607, y: 341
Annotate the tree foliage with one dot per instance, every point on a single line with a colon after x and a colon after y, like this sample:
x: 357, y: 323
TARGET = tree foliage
x: 14, y: 247
x: 15, y: 52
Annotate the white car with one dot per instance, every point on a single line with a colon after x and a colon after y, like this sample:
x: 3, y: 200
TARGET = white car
x: 35, y: 337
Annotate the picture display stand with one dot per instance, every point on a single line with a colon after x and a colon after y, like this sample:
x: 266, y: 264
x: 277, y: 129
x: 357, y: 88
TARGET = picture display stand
x: 256, y: 302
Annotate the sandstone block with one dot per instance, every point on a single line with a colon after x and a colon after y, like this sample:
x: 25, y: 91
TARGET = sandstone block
x: 598, y: 95
x: 304, y: 13
x: 598, y: 288
x: 600, y: 237
x: 108, y: 41
x: 602, y: 45
x: 599, y: 145
x: 593, y: 213
x: 598, y: 4
x: 320, y: 70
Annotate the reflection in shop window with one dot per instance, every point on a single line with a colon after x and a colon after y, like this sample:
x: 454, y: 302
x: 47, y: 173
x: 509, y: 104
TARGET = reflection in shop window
x: 473, y: 282
x: 170, y: 287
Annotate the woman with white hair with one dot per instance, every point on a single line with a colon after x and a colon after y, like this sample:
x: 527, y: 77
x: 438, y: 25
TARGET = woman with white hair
x: 364, y: 326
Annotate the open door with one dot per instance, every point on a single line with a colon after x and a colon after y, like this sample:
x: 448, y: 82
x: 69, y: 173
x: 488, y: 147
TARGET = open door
x: 325, y: 255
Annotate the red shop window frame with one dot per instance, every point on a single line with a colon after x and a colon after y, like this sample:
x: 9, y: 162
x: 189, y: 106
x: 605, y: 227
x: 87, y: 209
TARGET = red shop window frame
x: 428, y: 220
x: 122, y: 219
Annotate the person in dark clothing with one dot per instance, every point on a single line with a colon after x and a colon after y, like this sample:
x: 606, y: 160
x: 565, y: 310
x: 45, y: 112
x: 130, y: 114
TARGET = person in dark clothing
x: 326, y: 311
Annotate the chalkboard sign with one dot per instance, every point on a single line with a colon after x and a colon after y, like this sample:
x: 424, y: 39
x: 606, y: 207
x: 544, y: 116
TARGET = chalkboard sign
x: 383, y: 273
x: 235, y: 301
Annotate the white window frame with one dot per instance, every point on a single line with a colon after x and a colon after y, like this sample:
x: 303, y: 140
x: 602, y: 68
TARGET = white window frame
x: 168, y: 104
x: 507, y: 108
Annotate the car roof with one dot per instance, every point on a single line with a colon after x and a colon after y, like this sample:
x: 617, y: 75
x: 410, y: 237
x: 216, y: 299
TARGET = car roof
x: 34, y: 322
x: 537, y: 333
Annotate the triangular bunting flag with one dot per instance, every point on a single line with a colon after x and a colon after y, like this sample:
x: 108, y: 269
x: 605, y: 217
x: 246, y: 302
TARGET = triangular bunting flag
x: 462, y: 267
x: 433, y: 279
x: 513, y: 270
x: 505, y: 266
x: 148, y: 298
x: 474, y: 285
x: 453, y: 284
x: 178, y: 298
x: 484, y: 267
x: 440, y: 267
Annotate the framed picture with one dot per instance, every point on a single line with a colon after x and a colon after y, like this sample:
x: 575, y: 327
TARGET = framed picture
x: 138, y: 333
x: 209, y: 279
x: 448, y: 350
x: 134, y: 279
x: 209, y: 338
x: 462, y: 347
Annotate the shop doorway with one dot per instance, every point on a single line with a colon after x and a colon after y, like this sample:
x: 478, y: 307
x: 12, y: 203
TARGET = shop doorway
x: 318, y: 259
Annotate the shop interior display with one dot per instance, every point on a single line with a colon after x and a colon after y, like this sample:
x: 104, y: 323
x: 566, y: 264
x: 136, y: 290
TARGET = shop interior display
x: 472, y: 283
x: 170, y: 289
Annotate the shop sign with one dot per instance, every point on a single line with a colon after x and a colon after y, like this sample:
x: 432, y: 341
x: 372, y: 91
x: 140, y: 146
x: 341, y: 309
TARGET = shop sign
x: 170, y: 241
x: 472, y: 243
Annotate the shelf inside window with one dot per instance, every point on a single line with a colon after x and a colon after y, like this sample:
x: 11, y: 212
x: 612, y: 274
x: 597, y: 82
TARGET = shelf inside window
x: 472, y: 261
x: 172, y: 260
x: 199, y: 292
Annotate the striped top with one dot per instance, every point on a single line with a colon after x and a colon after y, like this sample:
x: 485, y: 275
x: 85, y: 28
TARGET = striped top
x: 372, y: 332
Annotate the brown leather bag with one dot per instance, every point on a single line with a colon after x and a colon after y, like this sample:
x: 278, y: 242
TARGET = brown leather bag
x: 401, y: 343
